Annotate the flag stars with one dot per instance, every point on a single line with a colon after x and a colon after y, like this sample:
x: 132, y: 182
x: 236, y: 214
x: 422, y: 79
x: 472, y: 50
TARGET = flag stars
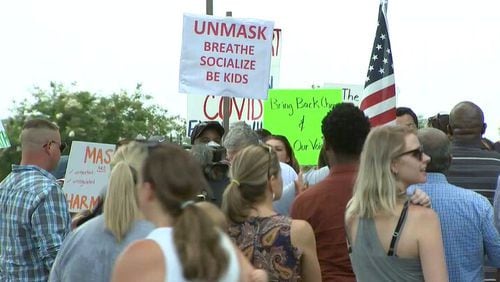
x: 381, y: 71
x: 385, y: 60
x: 379, y: 47
x: 367, y: 79
x: 382, y: 36
x: 375, y: 57
x: 388, y: 51
x: 370, y: 68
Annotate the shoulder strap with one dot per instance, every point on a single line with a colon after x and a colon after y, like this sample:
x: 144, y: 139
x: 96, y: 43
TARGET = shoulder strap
x: 395, y: 235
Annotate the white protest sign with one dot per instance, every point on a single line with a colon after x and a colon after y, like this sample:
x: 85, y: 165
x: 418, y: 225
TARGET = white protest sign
x: 351, y: 93
x: 209, y: 107
x: 4, y: 140
x: 225, y: 56
x: 87, y: 174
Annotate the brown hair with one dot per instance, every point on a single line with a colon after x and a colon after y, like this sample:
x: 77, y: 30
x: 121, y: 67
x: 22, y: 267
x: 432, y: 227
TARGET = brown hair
x: 289, y: 151
x: 250, y: 172
x: 176, y: 178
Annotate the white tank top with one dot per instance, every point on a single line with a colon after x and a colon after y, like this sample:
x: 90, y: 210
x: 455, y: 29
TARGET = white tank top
x: 164, y: 237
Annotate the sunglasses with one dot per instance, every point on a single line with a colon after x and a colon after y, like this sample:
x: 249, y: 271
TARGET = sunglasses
x: 416, y: 153
x: 62, y: 145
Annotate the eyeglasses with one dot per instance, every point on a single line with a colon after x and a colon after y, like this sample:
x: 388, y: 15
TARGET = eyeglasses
x: 416, y: 153
x: 62, y: 145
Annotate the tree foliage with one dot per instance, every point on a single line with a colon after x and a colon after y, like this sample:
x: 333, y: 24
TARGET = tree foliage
x: 85, y: 116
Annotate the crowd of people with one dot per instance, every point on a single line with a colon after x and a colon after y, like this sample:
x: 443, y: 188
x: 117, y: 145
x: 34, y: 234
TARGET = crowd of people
x: 388, y: 203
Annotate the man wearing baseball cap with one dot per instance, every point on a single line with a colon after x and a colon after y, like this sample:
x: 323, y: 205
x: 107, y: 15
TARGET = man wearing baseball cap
x: 207, y: 131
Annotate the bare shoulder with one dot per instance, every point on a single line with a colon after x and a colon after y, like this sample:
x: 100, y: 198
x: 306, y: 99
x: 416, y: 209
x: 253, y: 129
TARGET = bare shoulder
x: 421, y: 214
x: 140, y: 260
x: 301, y: 232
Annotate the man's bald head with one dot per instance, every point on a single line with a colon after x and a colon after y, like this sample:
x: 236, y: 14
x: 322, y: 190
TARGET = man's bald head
x: 466, y: 118
x: 437, y: 146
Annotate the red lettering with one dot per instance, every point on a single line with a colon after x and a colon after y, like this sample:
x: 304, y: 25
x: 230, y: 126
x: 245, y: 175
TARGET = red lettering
x: 205, y: 108
x: 99, y: 156
x: 239, y: 111
x: 83, y: 203
x: 94, y: 201
x: 89, y: 154
x: 261, y: 110
x: 109, y: 154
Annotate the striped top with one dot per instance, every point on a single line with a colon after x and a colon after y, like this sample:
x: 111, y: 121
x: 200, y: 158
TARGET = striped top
x: 474, y: 168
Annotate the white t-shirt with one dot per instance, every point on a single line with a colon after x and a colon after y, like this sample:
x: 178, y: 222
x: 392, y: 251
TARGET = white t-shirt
x: 164, y: 237
x: 282, y: 205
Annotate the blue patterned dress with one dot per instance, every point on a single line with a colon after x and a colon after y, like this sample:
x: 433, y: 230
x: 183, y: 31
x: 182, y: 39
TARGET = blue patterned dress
x: 265, y: 241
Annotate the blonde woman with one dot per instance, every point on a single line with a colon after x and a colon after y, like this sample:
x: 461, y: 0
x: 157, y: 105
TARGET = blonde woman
x: 89, y: 252
x: 285, y: 248
x: 391, y: 239
x: 185, y: 245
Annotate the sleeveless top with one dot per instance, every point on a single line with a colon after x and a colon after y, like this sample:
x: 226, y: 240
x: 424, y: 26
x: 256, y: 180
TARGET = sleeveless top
x: 370, y: 262
x: 265, y: 241
x: 164, y: 237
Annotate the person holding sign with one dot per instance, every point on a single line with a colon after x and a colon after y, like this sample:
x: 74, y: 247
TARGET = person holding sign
x: 34, y: 219
x: 89, y: 253
x: 186, y: 244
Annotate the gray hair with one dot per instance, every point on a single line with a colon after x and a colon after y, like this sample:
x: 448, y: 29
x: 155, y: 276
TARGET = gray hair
x: 240, y: 135
x: 437, y: 146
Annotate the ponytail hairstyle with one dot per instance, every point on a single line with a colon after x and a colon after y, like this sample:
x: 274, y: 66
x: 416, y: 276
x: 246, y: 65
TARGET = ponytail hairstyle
x: 177, y: 178
x: 250, y: 173
x: 121, y: 204
x: 375, y: 189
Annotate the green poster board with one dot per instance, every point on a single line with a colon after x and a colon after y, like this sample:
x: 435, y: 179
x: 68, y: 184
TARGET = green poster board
x: 297, y: 114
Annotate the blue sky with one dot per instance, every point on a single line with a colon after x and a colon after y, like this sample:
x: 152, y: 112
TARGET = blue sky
x: 444, y: 51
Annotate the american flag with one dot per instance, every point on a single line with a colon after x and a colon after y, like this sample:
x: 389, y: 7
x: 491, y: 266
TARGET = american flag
x: 379, y: 94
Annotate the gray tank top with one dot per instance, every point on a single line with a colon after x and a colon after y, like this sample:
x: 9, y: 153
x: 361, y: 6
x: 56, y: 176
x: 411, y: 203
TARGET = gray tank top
x: 370, y: 262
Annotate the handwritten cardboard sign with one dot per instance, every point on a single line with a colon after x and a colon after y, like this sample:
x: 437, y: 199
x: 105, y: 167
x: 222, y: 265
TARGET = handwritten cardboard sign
x: 351, y: 93
x: 4, y: 140
x: 225, y: 56
x: 297, y: 114
x: 87, y: 174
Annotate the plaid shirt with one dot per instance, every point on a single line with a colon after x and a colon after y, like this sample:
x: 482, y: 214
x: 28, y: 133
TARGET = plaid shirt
x: 467, y: 227
x: 34, y: 220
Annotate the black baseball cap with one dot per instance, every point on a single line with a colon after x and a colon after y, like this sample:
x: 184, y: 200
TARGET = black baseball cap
x: 200, y: 127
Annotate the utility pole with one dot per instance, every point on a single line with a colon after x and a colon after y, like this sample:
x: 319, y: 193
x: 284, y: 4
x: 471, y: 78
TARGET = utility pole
x: 209, y: 7
x: 209, y: 4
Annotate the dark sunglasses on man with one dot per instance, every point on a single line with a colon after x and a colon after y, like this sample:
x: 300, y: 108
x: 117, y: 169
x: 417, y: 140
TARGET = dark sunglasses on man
x: 61, y: 145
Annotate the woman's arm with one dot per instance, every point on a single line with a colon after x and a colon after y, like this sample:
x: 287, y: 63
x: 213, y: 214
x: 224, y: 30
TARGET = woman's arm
x: 141, y: 261
x: 302, y: 237
x: 430, y: 246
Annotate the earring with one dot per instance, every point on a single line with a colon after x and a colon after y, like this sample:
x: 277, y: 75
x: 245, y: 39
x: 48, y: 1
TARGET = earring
x: 274, y: 196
